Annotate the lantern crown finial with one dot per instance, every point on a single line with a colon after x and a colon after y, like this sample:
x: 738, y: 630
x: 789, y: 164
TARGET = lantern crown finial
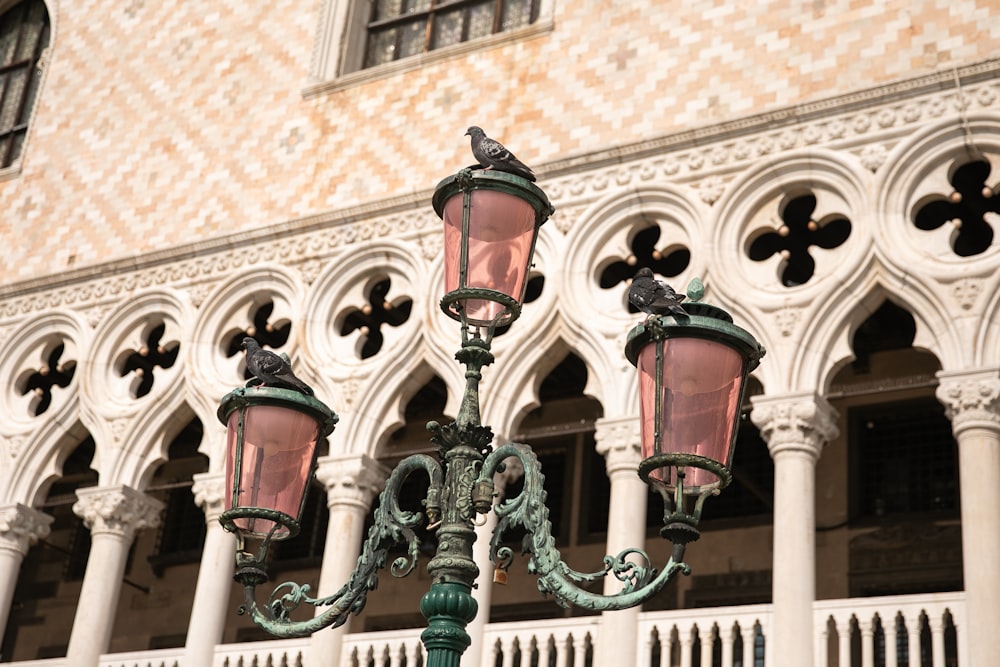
x: 695, y: 289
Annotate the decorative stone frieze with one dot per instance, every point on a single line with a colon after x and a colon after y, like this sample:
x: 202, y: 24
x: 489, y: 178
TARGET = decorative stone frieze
x: 971, y: 399
x: 796, y: 422
x: 118, y: 510
x: 21, y: 526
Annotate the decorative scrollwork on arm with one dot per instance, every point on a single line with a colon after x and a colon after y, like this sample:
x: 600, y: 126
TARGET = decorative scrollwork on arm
x: 392, y: 525
x: 528, y: 509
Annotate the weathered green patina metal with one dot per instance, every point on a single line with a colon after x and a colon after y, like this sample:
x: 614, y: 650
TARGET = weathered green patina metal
x: 461, y: 487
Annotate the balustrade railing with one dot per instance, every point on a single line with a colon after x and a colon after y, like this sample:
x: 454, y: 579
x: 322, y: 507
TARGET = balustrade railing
x: 898, y: 631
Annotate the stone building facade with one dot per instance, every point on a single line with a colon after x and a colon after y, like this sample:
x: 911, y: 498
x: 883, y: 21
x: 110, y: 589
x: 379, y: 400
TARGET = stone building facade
x: 178, y: 175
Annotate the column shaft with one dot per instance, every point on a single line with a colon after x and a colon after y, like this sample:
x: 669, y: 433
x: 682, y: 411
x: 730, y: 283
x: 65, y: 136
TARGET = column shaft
x: 619, y: 441
x: 215, y: 576
x: 351, y: 482
x: 972, y: 402
x: 795, y: 428
x: 113, y: 516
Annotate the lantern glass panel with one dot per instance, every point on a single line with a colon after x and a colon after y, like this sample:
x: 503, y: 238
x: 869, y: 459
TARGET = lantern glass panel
x: 700, y: 398
x: 501, y: 238
x: 278, y: 447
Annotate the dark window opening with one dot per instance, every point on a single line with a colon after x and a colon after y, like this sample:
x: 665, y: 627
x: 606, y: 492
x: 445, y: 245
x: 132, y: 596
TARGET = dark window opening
x: 799, y: 232
x: 181, y: 535
x: 645, y: 255
x: 889, y: 328
x: 60, y: 557
x: 56, y: 372
x: 905, y: 458
x: 155, y: 352
x: 369, y: 318
x: 967, y: 209
x: 24, y: 34
x: 402, y: 28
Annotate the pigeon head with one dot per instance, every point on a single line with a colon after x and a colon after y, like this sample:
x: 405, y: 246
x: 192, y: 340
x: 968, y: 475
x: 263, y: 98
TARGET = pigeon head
x: 248, y: 343
x: 644, y: 272
x: 474, y: 131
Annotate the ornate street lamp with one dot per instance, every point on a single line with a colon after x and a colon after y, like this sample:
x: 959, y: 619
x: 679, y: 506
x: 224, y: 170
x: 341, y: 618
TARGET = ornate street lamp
x: 692, y: 382
x: 693, y: 373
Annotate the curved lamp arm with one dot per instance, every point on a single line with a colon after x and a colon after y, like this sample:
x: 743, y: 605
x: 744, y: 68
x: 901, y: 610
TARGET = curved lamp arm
x: 392, y: 525
x: 528, y: 509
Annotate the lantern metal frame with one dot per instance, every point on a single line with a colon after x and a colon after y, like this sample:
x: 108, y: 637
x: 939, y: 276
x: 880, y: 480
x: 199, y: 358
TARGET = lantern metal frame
x: 465, y: 183
x: 242, y: 400
x: 460, y: 488
x: 708, y: 322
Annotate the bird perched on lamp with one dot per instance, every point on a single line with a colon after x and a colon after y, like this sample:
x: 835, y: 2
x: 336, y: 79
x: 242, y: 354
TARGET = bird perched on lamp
x: 271, y: 369
x: 654, y: 297
x: 491, y: 154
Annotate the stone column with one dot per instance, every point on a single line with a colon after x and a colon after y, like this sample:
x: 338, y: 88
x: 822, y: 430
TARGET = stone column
x: 619, y: 441
x: 351, y: 482
x: 972, y: 402
x: 20, y: 527
x: 215, y: 575
x: 113, y: 514
x: 483, y: 595
x: 795, y: 428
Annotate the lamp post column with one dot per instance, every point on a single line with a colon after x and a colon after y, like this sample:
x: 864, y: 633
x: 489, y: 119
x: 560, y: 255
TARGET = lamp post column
x: 351, y: 483
x: 618, y: 440
x: 211, y: 593
x: 113, y: 514
x: 972, y: 402
x: 20, y: 527
x: 795, y: 428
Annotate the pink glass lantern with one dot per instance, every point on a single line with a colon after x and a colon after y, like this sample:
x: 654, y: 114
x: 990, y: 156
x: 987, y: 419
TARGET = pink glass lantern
x: 692, y: 378
x: 270, y: 451
x: 491, y: 222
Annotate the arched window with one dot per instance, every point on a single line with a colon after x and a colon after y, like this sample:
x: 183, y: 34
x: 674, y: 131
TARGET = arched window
x: 24, y: 34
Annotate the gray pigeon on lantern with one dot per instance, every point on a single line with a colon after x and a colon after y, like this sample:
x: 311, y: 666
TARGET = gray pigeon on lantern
x: 491, y: 154
x: 654, y: 297
x: 271, y: 369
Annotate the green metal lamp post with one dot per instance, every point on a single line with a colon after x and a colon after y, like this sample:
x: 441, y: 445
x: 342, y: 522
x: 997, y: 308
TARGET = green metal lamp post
x: 692, y: 377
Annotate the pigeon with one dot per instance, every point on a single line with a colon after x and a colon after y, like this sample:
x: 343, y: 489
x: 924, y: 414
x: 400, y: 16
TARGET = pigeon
x: 271, y: 369
x: 491, y: 154
x: 654, y: 297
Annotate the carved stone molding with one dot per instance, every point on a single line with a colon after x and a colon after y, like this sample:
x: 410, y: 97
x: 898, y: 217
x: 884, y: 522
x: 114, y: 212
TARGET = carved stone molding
x: 619, y: 441
x: 351, y: 480
x: 971, y: 399
x: 209, y: 490
x: 21, y: 526
x: 862, y: 121
x: 796, y: 422
x: 117, y: 510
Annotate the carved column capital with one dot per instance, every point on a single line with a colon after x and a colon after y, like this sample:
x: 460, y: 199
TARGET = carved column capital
x: 117, y: 510
x: 619, y: 440
x: 209, y: 490
x: 21, y: 526
x: 353, y: 479
x: 794, y: 422
x: 971, y: 399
